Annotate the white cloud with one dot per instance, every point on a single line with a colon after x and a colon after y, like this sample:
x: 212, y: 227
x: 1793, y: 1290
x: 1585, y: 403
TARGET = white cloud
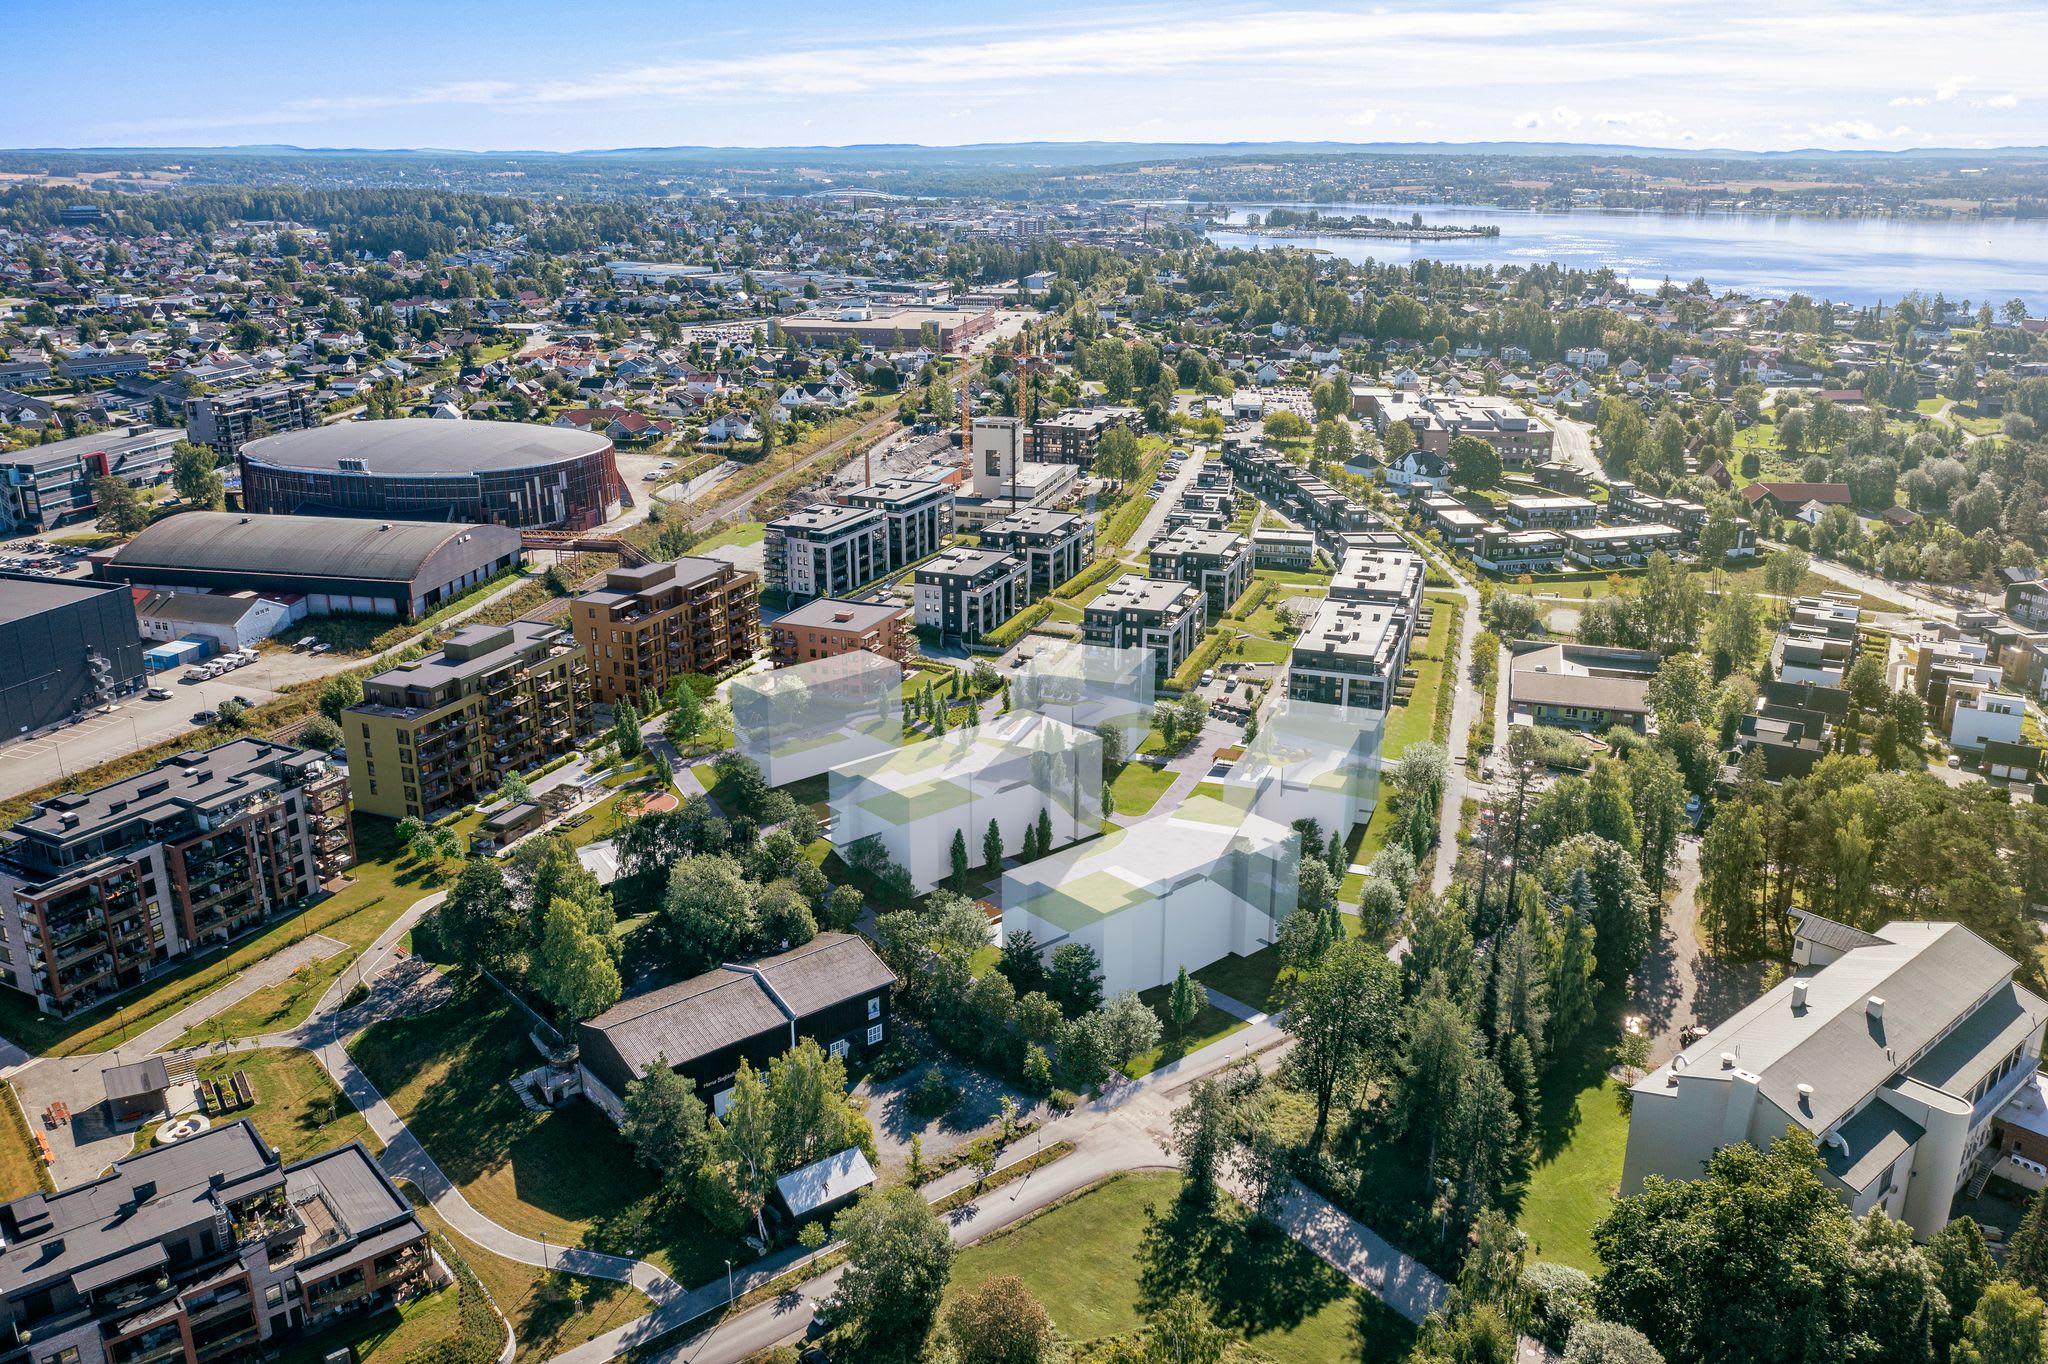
x: 2007, y: 100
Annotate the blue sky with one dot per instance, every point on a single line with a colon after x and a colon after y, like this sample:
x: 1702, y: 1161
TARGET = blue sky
x: 563, y: 76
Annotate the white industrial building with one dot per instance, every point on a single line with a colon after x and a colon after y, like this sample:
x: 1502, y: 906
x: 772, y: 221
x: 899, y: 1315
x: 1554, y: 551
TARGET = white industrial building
x: 1894, y: 1049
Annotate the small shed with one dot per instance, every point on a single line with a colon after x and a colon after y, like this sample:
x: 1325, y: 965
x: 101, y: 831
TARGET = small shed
x: 138, y: 1088
x: 825, y: 1185
x: 509, y: 823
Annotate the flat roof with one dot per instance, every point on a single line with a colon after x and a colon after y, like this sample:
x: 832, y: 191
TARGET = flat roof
x: 22, y: 597
x: 236, y: 769
x: 424, y: 447
x: 836, y: 613
x: 1134, y: 592
x: 823, y: 516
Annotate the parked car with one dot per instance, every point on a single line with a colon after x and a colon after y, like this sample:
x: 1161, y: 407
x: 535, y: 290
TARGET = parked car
x: 205, y: 717
x: 158, y: 694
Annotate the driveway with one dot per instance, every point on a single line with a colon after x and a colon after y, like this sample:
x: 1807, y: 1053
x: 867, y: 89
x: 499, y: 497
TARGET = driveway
x: 1681, y: 982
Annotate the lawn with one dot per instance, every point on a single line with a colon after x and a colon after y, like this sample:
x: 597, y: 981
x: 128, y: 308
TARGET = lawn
x: 381, y: 1337
x: 21, y: 1167
x: 274, y: 1008
x: 1571, y: 1189
x: 544, y: 1318
x: 566, y: 1174
x: 1139, y: 786
x: 1292, y: 578
x: 1210, y: 1025
x: 745, y: 533
x: 1413, y: 722
x: 1100, y: 1260
x: 386, y: 883
x: 298, y: 1110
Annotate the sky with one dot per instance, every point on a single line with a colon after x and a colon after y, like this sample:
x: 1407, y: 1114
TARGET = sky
x: 519, y: 74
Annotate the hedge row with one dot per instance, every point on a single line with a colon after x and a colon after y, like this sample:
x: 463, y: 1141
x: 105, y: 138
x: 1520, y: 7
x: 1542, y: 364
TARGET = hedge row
x: 1017, y: 626
x: 1078, y: 586
x: 1202, y: 659
x: 479, y: 1335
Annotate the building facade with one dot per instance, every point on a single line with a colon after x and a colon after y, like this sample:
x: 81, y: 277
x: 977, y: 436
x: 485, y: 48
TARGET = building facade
x: 229, y: 419
x: 917, y: 518
x: 656, y: 621
x: 66, y: 647
x: 828, y: 627
x: 1070, y: 437
x: 500, y: 473
x: 208, y: 1249
x: 1351, y: 654
x: 432, y: 736
x: 965, y: 593
x: 1895, y: 1050
x: 99, y: 889
x: 46, y: 486
x: 1053, y: 545
x: 1219, y: 562
x: 825, y: 551
x: 1147, y: 613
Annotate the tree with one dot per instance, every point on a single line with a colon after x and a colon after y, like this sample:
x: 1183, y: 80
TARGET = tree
x: 1594, y: 1341
x: 685, y: 718
x: 1129, y: 1027
x: 958, y: 854
x: 1681, y: 692
x: 1657, y: 797
x: 1474, y: 463
x: 665, y: 1124
x: 626, y: 729
x: 1963, y: 1269
x: 1435, y: 1066
x: 744, y: 1139
x: 898, y: 1258
x: 992, y: 846
x: 708, y: 913
x: 1751, y: 1261
x: 1180, y: 1331
x: 1117, y: 455
x: 573, y: 968
x: 339, y: 693
x: 1340, y: 1013
x: 999, y: 1322
x: 1075, y: 981
x: 2004, y: 1328
x: 1185, y: 1001
x: 1397, y: 441
x: 478, y: 924
x: 122, y: 507
x: 1609, y: 813
x: 195, y: 474
x: 2026, y: 1257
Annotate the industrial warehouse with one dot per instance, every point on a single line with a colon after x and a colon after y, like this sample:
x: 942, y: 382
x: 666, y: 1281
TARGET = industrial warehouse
x: 375, y: 568
x: 504, y: 473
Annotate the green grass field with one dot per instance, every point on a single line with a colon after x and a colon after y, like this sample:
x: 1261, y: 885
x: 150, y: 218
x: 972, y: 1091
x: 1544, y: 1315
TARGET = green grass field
x: 385, y: 1337
x: 1412, y: 723
x: 1139, y: 786
x: 298, y: 1110
x: 567, y: 1173
x: 745, y: 533
x: 1572, y: 1188
x: 1100, y: 1260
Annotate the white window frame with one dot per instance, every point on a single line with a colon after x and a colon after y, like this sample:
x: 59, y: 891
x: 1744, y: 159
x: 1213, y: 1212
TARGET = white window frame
x: 875, y: 1035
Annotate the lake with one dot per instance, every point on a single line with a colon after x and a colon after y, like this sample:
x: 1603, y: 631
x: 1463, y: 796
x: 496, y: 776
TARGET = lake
x: 1849, y: 260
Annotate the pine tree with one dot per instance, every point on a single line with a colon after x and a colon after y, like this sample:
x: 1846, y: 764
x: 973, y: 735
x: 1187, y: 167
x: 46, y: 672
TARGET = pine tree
x: 1184, y: 1003
x: 1044, y: 831
x: 992, y: 846
x: 960, y: 861
x: 2026, y: 1258
x: 1518, y: 1072
x: 1339, y: 860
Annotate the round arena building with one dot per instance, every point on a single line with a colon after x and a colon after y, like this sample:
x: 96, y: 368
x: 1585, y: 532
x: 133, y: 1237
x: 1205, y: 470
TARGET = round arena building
x: 503, y: 473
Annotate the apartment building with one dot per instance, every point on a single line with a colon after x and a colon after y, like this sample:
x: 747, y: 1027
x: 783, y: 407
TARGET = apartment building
x: 656, y: 621
x: 1053, y: 545
x: 1219, y: 562
x: 226, y: 419
x: 1895, y: 1050
x: 208, y: 1249
x: 442, y: 732
x: 1607, y: 546
x: 99, y: 889
x: 917, y: 518
x: 1147, y: 613
x: 1393, y: 577
x: 965, y: 593
x: 1508, y: 552
x: 828, y: 627
x: 825, y: 551
x: 1291, y: 550
x: 1070, y: 437
x: 1351, y: 654
x: 46, y: 486
x: 1549, y: 513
